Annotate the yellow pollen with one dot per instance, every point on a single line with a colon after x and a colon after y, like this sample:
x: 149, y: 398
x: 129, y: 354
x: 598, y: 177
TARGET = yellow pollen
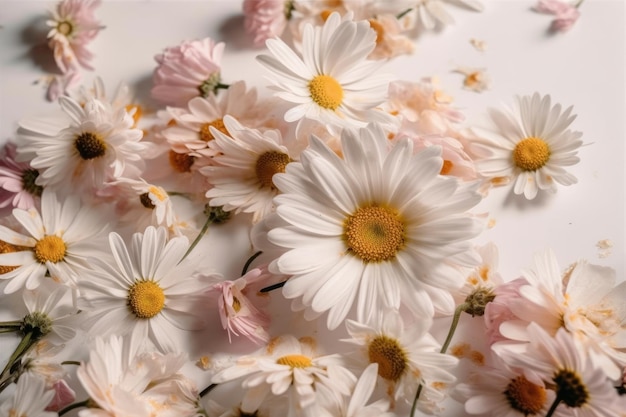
x: 205, y: 132
x: 236, y: 305
x: 159, y: 193
x: 472, y: 79
x: 138, y: 112
x: 388, y: 354
x: 379, y: 29
x: 50, y: 248
x: 295, y: 361
x: 65, y: 28
x: 268, y: 164
x: 446, y: 167
x: 326, y: 92
x: 531, y: 154
x: 90, y: 145
x: 145, y: 299
x: 524, y: 396
x: 180, y: 162
x: 6, y: 247
x: 483, y: 272
x: 325, y: 14
x: 374, y: 233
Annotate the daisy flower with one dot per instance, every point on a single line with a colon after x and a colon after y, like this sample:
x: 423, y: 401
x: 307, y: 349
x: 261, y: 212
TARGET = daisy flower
x: 17, y: 181
x: 431, y: 13
x: 582, y: 387
x: 148, y: 291
x: 379, y: 223
x: 97, y: 146
x: 30, y: 399
x: 332, y: 81
x: 407, y: 356
x: 73, y: 26
x: 190, y: 130
x: 188, y: 70
x: 243, y: 169
x: 58, y: 242
x: 532, y: 144
x: 239, y: 316
x: 291, y: 367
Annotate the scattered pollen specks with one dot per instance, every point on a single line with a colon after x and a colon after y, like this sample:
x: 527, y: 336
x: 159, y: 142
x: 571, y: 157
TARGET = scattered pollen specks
x: 478, y: 44
x: 604, y: 248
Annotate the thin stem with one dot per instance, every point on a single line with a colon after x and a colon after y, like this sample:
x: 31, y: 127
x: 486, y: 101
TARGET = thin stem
x: 9, y: 329
x: 8, y: 380
x: 554, y: 405
x: 222, y: 86
x: 417, y: 395
x: 273, y: 287
x: 207, y: 390
x: 455, y: 322
x: 73, y: 406
x: 71, y: 363
x: 577, y: 5
x: 249, y: 261
x: 198, y: 238
x: 15, y: 323
x: 25, y: 344
x: 404, y: 13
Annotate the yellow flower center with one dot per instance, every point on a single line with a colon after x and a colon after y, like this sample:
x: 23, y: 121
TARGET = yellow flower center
x: 146, y: 299
x: 295, y: 361
x: 446, y: 167
x: 388, y: 354
x: 570, y: 388
x: 65, y: 28
x: 524, y: 396
x: 326, y: 92
x: 137, y: 114
x: 374, y: 233
x: 6, y: 247
x: 379, y: 29
x: 180, y: 162
x: 205, y: 132
x: 236, y: 305
x: 531, y: 154
x: 268, y: 164
x: 90, y: 145
x: 51, y: 248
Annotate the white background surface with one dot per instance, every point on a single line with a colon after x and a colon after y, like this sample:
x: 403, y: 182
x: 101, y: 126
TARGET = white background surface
x: 584, y: 68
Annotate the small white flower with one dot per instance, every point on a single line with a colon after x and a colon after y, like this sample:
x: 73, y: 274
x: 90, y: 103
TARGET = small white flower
x: 29, y: 400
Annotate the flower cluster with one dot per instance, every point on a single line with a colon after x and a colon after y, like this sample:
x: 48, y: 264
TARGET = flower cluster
x: 358, y: 195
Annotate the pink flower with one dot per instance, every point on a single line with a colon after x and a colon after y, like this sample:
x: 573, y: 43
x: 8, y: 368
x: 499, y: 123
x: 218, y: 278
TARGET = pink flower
x: 63, y: 396
x: 265, y: 19
x: 239, y: 316
x: 60, y: 84
x: 566, y: 13
x: 17, y: 181
x: 74, y: 26
x: 188, y: 70
x: 498, y: 311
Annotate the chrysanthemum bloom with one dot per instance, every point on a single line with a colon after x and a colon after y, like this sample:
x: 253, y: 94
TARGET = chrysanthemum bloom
x: 58, y: 243
x: 190, y: 130
x: 502, y: 391
x: 290, y: 367
x: 30, y: 399
x: 532, y: 144
x: 390, y: 38
x: 498, y: 310
x: 582, y: 387
x: 566, y: 13
x: 265, y: 19
x: 243, y: 168
x: 148, y: 291
x: 378, y: 223
x: 73, y: 26
x: 585, y: 301
x: 99, y: 145
x: 238, y: 314
x: 407, y: 356
x: 17, y: 181
x: 188, y: 70
x: 332, y: 81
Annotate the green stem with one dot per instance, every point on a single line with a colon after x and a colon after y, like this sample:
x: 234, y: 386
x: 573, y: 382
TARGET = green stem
x: 404, y: 13
x: 249, y: 261
x: 71, y: 363
x: 15, y: 323
x: 25, y: 344
x: 73, y: 406
x: 8, y: 380
x: 222, y: 86
x: 9, y: 329
x: 207, y: 390
x: 554, y: 405
x: 455, y: 322
x: 579, y: 3
x: 273, y: 287
x: 198, y: 238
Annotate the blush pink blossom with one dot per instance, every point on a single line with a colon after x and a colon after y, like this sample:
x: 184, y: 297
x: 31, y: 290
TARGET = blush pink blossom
x: 63, y: 396
x: 59, y: 85
x: 566, y: 13
x: 498, y: 311
x: 264, y: 19
x: 188, y: 70
x: 17, y: 181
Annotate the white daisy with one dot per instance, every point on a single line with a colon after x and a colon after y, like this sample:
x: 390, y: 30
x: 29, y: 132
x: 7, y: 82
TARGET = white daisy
x: 148, y: 291
x: 532, y: 144
x: 30, y: 399
x: 98, y: 145
x: 243, y: 168
x: 379, y: 223
x: 59, y: 241
x: 582, y: 388
x: 332, y: 81
x: 290, y: 367
x: 407, y: 356
x: 431, y: 13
